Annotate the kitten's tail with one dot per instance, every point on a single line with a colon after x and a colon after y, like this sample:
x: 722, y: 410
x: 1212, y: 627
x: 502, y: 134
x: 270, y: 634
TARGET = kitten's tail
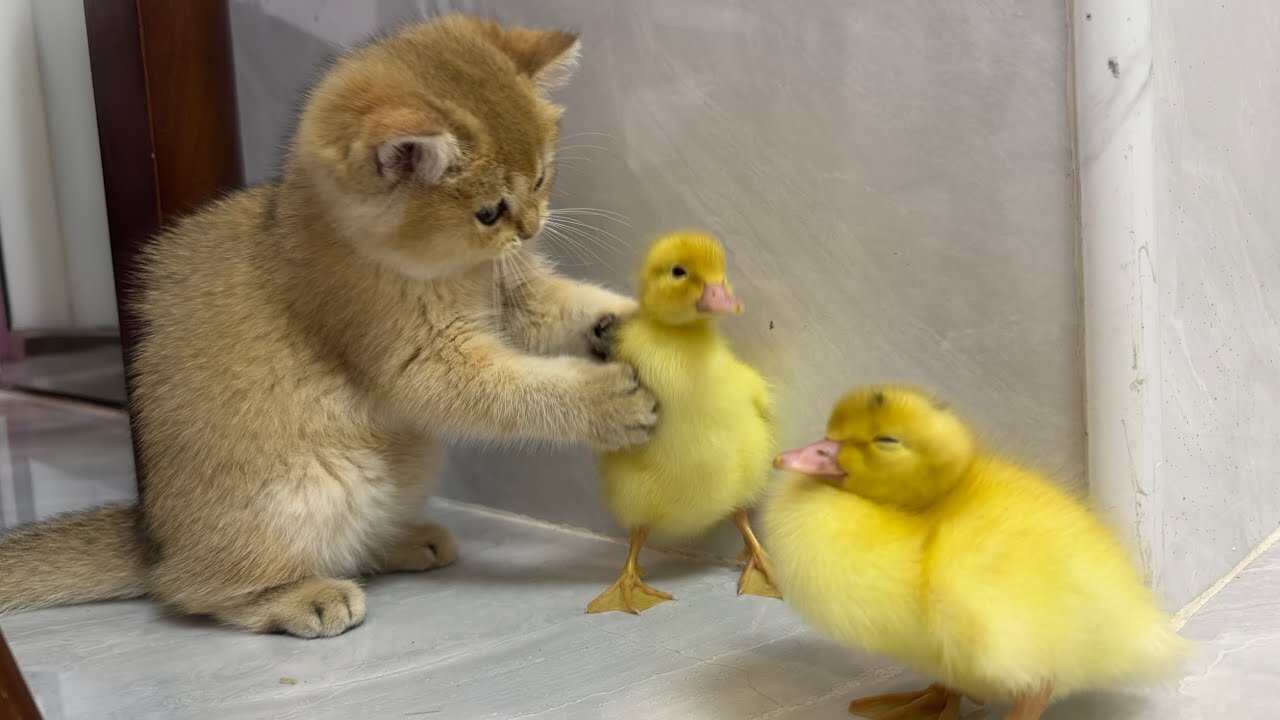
x: 72, y: 558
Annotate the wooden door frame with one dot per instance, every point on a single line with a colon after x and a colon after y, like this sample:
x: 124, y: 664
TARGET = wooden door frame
x: 15, y: 699
x: 164, y: 90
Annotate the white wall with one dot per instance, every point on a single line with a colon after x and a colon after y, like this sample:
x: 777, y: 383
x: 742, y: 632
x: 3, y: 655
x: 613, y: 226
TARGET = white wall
x: 31, y: 242
x: 893, y: 181
x: 53, y: 223
x: 1217, y: 170
x: 72, y: 120
x: 1177, y: 109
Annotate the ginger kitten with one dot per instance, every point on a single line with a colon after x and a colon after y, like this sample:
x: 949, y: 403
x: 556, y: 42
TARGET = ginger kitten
x: 310, y: 345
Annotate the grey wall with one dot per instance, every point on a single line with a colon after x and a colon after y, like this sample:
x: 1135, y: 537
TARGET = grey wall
x: 893, y: 181
x: 1217, y: 164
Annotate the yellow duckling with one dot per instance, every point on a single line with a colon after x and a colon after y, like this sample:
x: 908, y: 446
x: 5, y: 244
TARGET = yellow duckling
x: 903, y: 537
x: 709, y: 457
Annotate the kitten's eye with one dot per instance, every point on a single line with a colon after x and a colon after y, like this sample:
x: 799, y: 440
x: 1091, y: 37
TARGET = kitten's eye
x: 541, y: 179
x: 886, y: 440
x: 492, y: 214
x: 678, y: 272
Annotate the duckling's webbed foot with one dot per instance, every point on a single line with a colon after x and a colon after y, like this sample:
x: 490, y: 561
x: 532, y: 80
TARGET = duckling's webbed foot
x: 629, y: 593
x: 932, y: 703
x: 757, y: 576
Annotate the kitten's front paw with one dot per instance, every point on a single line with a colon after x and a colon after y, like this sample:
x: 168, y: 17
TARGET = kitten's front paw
x: 603, y: 332
x: 600, y: 339
x: 622, y: 412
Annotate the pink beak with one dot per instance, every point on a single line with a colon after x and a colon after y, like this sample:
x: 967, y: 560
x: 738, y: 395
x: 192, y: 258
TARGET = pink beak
x: 818, y: 460
x: 717, y: 300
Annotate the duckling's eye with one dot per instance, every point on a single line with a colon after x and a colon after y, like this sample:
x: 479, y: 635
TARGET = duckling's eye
x: 492, y: 214
x: 886, y: 440
x: 678, y: 272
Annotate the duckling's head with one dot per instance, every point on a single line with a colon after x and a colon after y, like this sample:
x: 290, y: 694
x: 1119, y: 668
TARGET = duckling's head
x: 891, y: 445
x: 682, y: 280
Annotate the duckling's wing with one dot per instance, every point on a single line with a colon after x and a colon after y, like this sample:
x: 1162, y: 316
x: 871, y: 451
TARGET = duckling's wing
x: 761, y: 395
x: 978, y: 603
x: 1027, y: 585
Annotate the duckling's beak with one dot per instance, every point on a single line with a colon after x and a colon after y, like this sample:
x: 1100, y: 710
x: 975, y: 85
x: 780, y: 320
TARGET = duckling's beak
x: 717, y: 300
x: 818, y: 460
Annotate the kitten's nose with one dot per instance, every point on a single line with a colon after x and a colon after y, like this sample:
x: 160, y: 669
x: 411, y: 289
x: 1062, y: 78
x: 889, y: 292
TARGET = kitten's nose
x: 526, y: 228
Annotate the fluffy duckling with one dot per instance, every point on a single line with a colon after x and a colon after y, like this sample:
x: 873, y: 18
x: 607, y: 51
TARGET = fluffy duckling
x: 901, y: 536
x: 709, y: 457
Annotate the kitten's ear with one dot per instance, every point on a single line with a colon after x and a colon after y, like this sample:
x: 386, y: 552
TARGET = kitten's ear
x: 424, y: 158
x: 547, y: 57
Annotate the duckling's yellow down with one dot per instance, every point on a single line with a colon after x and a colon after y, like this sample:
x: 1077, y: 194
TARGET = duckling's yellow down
x: 975, y: 571
x: 711, y: 451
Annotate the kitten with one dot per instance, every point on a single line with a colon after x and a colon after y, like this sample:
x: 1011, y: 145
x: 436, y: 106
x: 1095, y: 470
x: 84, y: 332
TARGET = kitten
x: 309, y: 345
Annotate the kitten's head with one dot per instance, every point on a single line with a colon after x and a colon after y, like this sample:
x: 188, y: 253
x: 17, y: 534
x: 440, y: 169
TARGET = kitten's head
x: 431, y: 150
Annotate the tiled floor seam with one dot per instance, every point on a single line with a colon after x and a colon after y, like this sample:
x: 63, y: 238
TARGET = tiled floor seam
x: 1190, y: 609
x: 694, y: 555
x: 72, y: 406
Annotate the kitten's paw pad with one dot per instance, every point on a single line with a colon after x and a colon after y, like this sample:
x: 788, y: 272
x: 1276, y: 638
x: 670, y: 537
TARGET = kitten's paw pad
x: 600, y: 339
x: 317, y: 608
x: 425, y: 547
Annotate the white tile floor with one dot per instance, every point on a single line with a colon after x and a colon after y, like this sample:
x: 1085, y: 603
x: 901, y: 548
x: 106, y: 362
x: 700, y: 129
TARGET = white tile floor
x: 502, y: 633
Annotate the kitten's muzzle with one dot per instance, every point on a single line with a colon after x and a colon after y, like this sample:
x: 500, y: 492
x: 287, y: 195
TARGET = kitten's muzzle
x: 527, y: 229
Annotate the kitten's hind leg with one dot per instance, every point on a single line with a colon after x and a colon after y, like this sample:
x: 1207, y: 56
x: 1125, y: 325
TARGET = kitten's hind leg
x: 424, y: 547
x: 309, y: 608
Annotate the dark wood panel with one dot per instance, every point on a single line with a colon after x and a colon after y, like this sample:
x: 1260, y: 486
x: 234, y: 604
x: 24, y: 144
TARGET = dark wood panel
x: 187, y: 50
x: 164, y: 90
x: 15, y: 700
x: 124, y: 136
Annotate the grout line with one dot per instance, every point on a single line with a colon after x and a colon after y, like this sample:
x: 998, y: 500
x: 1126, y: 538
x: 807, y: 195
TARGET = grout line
x: 524, y: 519
x: 696, y: 555
x: 874, y: 675
x: 37, y: 398
x: 46, y: 379
x: 1191, y: 608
